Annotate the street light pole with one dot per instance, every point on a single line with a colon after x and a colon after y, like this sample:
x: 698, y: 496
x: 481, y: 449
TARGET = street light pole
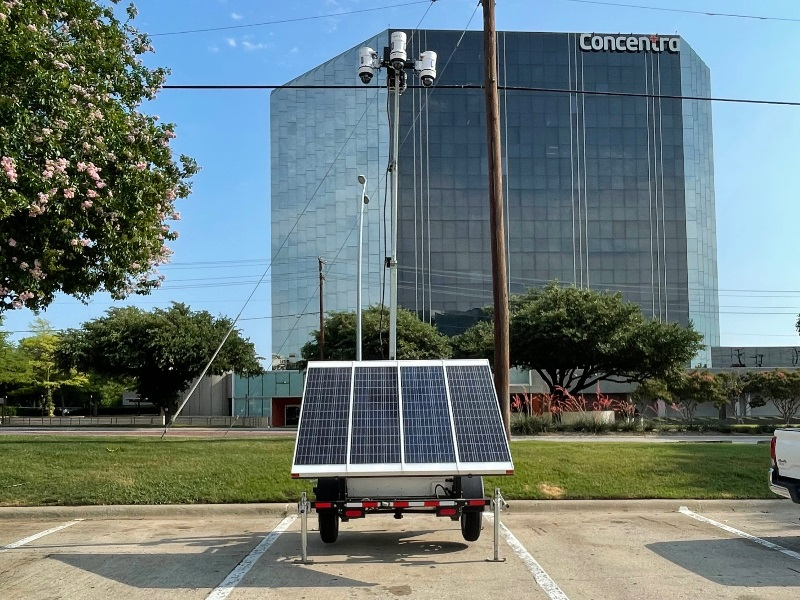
x: 396, y: 63
x: 364, y: 201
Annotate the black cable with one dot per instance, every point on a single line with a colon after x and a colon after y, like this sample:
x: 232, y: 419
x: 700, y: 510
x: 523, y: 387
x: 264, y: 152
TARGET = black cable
x: 294, y: 20
x: 691, y: 12
x: 510, y: 88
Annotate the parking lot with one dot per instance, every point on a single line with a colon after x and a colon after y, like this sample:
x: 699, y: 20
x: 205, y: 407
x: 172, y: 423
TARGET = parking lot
x: 740, y: 550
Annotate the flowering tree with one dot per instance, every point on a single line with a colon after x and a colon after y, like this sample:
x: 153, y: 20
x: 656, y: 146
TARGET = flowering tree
x: 87, y: 183
x: 780, y: 387
x: 692, y: 389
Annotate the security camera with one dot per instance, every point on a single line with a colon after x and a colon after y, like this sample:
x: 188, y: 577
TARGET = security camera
x: 367, y: 64
x: 397, y: 53
x: 426, y: 67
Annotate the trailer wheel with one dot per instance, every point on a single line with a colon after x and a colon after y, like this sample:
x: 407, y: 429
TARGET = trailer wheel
x: 328, y: 526
x: 471, y: 525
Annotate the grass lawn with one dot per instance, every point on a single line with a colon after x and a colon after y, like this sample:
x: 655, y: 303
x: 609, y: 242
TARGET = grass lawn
x: 114, y: 470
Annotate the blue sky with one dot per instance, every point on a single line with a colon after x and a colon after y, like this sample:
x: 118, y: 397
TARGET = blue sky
x: 224, y: 247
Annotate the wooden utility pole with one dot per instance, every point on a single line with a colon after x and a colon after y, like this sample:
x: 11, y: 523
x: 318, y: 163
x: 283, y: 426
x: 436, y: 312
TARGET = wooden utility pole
x: 321, y: 312
x: 497, y: 218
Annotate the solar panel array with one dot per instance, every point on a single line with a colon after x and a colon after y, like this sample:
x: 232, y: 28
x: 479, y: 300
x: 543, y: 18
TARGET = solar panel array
x: 400, y: 417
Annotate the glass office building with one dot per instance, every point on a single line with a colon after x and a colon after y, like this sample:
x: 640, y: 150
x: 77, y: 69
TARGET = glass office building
x: 608, y: 180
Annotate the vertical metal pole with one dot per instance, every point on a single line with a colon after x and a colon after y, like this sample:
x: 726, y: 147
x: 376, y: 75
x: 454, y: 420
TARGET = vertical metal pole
x: 303, y: 528
x: 497, y: 524
x: 497, y: 502
x: 360, y: 246
x: 321, y: 313
x: 398, y: 74
x: 496, y: 217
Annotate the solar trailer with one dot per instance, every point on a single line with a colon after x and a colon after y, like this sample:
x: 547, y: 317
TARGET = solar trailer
x: 398, y: 437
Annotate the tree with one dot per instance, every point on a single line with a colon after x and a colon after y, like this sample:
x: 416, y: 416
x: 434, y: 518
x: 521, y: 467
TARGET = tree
x: 14, y: 368
x: 475, y: 342
x: 734, y: 385
x: 161, y: 351
x: 650, y: 391
x: 692, y: 389
x: 415, y: 339
x: 46, y: 377
x: 87, y: 183
x: 780, y: 387
x: 574, y: 338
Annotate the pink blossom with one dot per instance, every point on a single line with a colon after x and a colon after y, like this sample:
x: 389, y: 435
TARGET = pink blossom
x: 86, y: 241
x: 43, y: 197
x: 100, y: 184
x: 32, y: 27
x: 86, y: 204
x: 140, y: 166
x: 10, y: 167
x: 170, y: 195
x: 74, y: 242
x: 3, y: 17
x: 12, y: 242
x: 23, y: 265
x: 69, y: 192
x: 91, y: 194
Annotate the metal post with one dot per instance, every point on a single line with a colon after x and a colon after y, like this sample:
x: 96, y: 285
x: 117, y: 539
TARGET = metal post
x: 321, y: 312
x: 303, y: 509
x: 398, y: 75
x: 364, y: 201
x: 497, y: 502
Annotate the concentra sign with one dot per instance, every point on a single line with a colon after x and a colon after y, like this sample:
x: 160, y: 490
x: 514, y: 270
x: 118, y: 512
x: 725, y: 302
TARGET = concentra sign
x: 629, y: 43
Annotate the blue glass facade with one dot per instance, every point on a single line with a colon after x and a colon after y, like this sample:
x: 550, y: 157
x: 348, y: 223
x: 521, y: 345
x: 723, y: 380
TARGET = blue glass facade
x: 606, y: 191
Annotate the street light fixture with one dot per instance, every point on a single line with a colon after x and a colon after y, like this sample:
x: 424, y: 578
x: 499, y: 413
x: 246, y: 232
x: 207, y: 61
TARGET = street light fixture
x: 396, y: 62
x: 364, y: 201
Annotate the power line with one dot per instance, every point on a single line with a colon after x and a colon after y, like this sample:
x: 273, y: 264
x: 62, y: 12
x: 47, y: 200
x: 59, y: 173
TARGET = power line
x: 704, y: 13
x: 294, y: 20
x: 509, y: 88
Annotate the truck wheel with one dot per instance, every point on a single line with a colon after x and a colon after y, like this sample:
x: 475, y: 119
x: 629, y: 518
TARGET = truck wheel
x: 328, y: 526
x: 471, y: 525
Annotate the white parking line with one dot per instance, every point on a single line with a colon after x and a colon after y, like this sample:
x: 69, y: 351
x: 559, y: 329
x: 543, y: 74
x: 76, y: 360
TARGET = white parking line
x: 685, y: 511
x: 235, y: 577
x: 542, y: 578
x: 36, y: 536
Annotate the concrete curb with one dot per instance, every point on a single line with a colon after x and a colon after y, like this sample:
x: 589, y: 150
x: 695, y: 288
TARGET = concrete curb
x: 142, y: 511
x: 183, y: 511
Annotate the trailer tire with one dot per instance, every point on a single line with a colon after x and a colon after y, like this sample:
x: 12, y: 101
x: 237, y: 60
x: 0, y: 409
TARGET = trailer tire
x: 471, y: 525
x: 328, y: 526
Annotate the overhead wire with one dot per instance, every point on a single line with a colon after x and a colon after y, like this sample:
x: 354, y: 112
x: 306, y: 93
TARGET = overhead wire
x: 510, y: 88
x: 705, y: 13
x: 292, y: 20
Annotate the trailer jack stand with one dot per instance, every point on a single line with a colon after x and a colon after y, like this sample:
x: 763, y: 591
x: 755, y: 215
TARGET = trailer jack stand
x: 497, y: 502
x: 303, y: 508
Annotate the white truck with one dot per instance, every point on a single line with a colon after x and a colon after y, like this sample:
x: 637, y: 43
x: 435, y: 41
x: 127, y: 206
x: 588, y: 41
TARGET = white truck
x: 784, y: 475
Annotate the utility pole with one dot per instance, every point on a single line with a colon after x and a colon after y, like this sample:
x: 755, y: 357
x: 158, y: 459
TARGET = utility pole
x: 496, y: 216
x: 321, y: 313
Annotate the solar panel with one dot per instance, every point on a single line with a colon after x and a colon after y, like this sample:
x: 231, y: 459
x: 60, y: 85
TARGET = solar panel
x: 426, y: 417
x: 322, y: 438
x: 368, y: 418
x: 376, y: 418
x: 480, y: 437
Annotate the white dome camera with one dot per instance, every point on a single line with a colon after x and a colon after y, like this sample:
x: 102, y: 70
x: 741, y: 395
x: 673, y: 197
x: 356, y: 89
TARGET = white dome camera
x: 367, y: 64
x: 426, y: 68
x: 397, y: 53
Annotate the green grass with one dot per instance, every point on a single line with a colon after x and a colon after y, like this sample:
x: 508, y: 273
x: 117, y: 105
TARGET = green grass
x: 78, y: 471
